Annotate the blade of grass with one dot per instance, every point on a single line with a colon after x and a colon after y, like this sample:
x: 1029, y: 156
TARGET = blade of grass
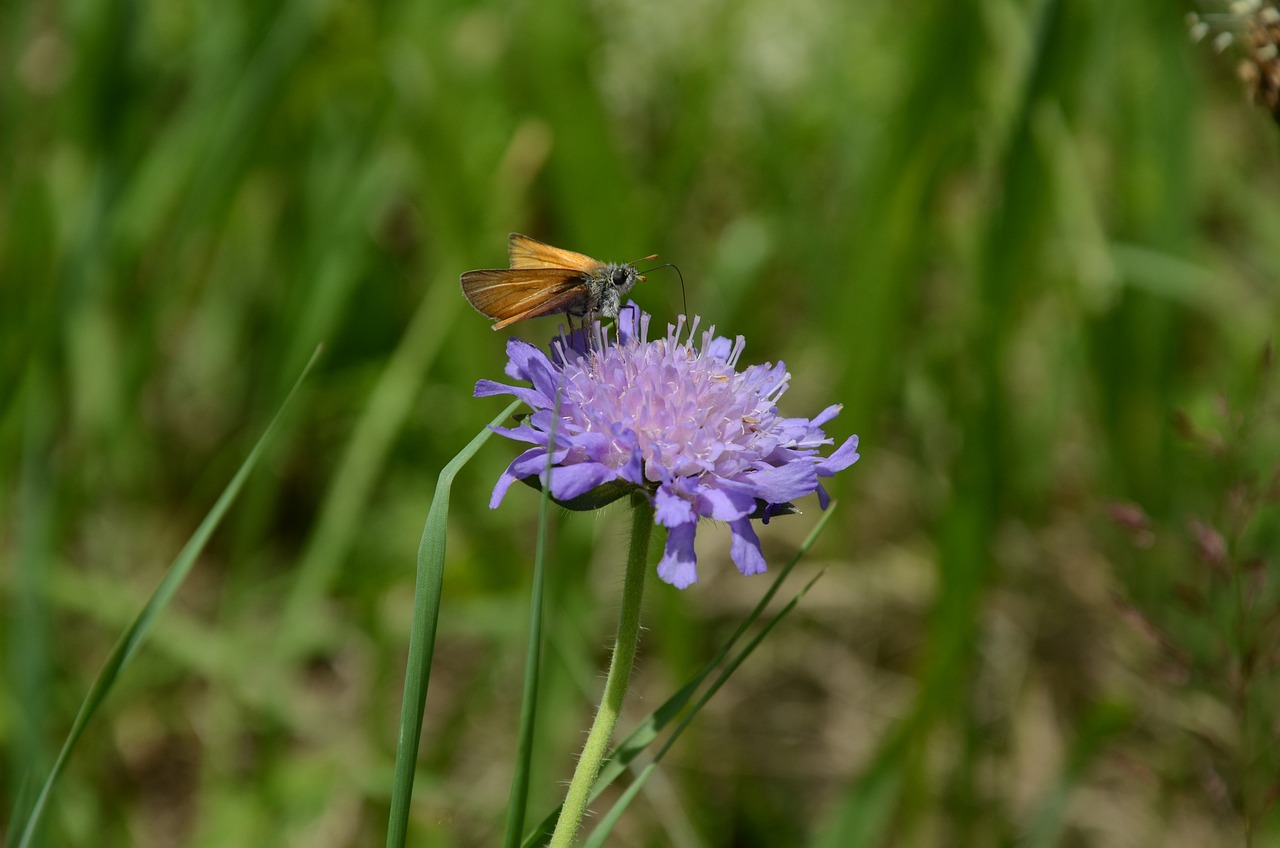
x: 134, y: 637
x: 533, y: 659
x: 422, y: 637
x: 29, y: 650
x: 648, y: 730
x: 611, y: 818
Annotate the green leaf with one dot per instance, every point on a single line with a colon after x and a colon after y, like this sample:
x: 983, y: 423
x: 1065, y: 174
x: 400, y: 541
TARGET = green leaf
x: 125, y: 649
x: 422, y: 637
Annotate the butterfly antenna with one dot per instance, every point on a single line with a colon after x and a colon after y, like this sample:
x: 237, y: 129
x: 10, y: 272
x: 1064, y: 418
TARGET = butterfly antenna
x: 684, y: 299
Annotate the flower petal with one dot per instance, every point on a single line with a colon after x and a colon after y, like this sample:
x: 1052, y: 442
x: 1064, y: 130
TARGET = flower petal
x: 529, y: 363
x: 489, y: 388
x: 522, y: 433
x: 594, y: 446
x: 679, y: 565
x: 745, y: 548
x: 723, y: 504
x: 626, y: 439
x: 570, y: 481
x: 826, y: 415
x: 519, y: 356
x: 718, y: 348
x: 782, y: 482
x: 516, y: 471
x: 671, y: 510
x: 844, y: 456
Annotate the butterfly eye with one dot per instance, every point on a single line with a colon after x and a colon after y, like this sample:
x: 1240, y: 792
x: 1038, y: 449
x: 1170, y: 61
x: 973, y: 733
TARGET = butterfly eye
x: 620, y: 276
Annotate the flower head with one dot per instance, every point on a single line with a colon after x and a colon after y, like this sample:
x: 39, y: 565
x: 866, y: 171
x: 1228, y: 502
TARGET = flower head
x: 671, y: 418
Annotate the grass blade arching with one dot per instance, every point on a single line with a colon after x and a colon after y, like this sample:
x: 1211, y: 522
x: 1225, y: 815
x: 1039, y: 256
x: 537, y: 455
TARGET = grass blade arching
x: 133, y: 638
x: 422, y: 638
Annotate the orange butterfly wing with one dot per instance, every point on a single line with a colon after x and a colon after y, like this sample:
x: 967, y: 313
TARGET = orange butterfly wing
x: 512, y: 295
x: 525, y: 252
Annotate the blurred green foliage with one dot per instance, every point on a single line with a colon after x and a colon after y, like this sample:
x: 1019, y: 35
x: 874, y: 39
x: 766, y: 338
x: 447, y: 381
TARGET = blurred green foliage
x: 1014, y: 237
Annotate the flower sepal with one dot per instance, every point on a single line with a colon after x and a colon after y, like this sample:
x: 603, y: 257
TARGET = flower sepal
x: 766, y: 511
x: 600, y: 496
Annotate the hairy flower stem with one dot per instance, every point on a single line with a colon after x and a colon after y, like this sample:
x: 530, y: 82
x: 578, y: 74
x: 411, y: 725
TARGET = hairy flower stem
x: 615, y: 686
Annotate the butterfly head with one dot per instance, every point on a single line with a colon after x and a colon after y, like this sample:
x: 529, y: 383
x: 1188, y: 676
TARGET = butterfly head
x: 623, y: 277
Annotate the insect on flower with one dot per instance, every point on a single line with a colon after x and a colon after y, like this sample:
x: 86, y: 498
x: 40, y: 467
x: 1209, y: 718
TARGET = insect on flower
x: 546, y: 280
x: 674, y: 418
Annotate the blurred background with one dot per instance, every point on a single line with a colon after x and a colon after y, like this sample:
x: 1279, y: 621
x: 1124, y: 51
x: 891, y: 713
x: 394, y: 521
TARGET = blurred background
x: 1033, y: 247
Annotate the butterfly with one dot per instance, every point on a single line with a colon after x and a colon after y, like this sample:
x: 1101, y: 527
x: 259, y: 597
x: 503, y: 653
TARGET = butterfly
x: 546, y: 280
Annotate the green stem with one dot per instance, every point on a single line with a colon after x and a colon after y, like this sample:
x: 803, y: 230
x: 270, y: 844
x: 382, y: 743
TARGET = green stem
x: 533, y: 656
x: 615, y: 686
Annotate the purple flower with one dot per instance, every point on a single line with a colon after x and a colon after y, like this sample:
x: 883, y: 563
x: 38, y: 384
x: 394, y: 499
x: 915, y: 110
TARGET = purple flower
x: 672, y: 419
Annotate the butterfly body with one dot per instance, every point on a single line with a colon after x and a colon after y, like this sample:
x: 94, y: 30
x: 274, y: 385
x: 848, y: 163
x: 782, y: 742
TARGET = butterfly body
x: 546, y: 280
x: 606, y: 288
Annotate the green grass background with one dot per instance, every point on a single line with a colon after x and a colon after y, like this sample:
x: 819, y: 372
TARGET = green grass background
x: 1014, y: 238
